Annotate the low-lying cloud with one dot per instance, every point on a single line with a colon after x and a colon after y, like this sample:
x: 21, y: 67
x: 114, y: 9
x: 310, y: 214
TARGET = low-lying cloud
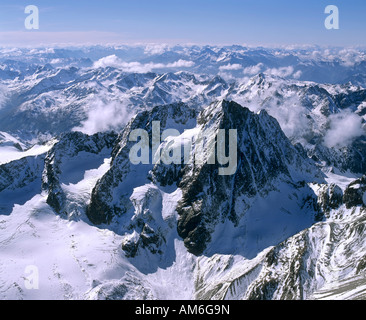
x: 284, y: 72
x: 230, y: 67
x: 291, y: 116
x: 105, y: 117
x: 344, y: 128
x: 281, y: 72
x: 154, y: 49
x: 3, y: 95
x: 115, y: 62
x: 252, y: 70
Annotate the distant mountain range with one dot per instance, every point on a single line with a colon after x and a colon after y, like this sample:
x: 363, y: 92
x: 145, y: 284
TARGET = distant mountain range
x: 288, y: 224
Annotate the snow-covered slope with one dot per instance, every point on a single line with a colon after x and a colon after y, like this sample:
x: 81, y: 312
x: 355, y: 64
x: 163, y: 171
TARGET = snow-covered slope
x: 327, y: 119
x: 143, y: 243
x: 288, y: 222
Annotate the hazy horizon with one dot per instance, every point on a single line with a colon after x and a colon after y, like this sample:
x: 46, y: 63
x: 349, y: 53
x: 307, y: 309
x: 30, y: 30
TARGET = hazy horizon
x: 218, y: 22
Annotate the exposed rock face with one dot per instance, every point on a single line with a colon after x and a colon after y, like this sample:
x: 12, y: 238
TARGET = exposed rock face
x: 352, y: 157
x: 20, y: 180
x: 265, y: 155
x: 265, y: 158
x: 123, y: 176
x: 69, y: 92
x: 18, y: 174
x: 271, y: 229
x: 129, y: 288
x: 149, y: 228
x: 330, y: 197
x: 354, y: 194
x: 61, y: 163
x: 325, y: 261
x: 150, y: 206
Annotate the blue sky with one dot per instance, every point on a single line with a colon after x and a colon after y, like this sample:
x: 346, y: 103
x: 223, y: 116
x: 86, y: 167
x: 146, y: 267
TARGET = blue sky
x: 253, y: 22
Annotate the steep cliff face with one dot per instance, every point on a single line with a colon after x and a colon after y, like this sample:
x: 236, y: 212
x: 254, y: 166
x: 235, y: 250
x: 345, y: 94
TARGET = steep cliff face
x: 130, y: 197
x: 282, y: 217
x: 214, y: 193
x: 325, y: 261
x: 265, y: 160
x: 330, y: 197
x: 111, y: 195
x: 261, y: 223
x: 66, y: 163
x: 354, y: 194
x: 19, y: 181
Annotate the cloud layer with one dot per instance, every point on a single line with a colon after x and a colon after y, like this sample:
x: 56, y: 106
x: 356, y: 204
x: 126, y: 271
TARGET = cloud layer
x: 115, y: 62
x: 104, y: 117
x: 344, y: 128
x: 252, y: 70
x: 230, y: 67
x: 3, y: 91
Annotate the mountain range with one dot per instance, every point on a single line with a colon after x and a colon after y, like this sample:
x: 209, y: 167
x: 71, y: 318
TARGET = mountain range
x: 289, y: 223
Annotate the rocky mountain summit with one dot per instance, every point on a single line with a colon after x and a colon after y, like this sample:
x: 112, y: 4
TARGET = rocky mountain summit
x: 196, y: 173
x: 267, y: 222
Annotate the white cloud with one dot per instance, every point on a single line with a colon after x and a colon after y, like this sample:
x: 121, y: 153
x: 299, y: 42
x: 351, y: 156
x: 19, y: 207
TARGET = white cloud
x: 42, y: 51
x: 281, y: 72
x: 291, y: 116
x: 228, y: 76
x: 56, y: 61
x: 178, y: 64
x: 104, y: 117
x: 347, y: 57
x: 290, y: 113
x: 153, y: 49
x: 350, y: 57
x: 115, y: 62
x: 344, y: 128
x: 12, y: 51
x: 297, y: 74
x: 109, y: 61
x: 3, y: 95
x: 231, y: 67
x: 252, y: 70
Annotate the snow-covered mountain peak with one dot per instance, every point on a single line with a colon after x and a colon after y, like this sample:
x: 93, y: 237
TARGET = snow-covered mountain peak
x: 194, y: 172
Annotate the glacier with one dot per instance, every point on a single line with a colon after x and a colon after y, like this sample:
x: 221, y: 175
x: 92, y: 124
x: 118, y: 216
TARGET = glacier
x: 288, y: 224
